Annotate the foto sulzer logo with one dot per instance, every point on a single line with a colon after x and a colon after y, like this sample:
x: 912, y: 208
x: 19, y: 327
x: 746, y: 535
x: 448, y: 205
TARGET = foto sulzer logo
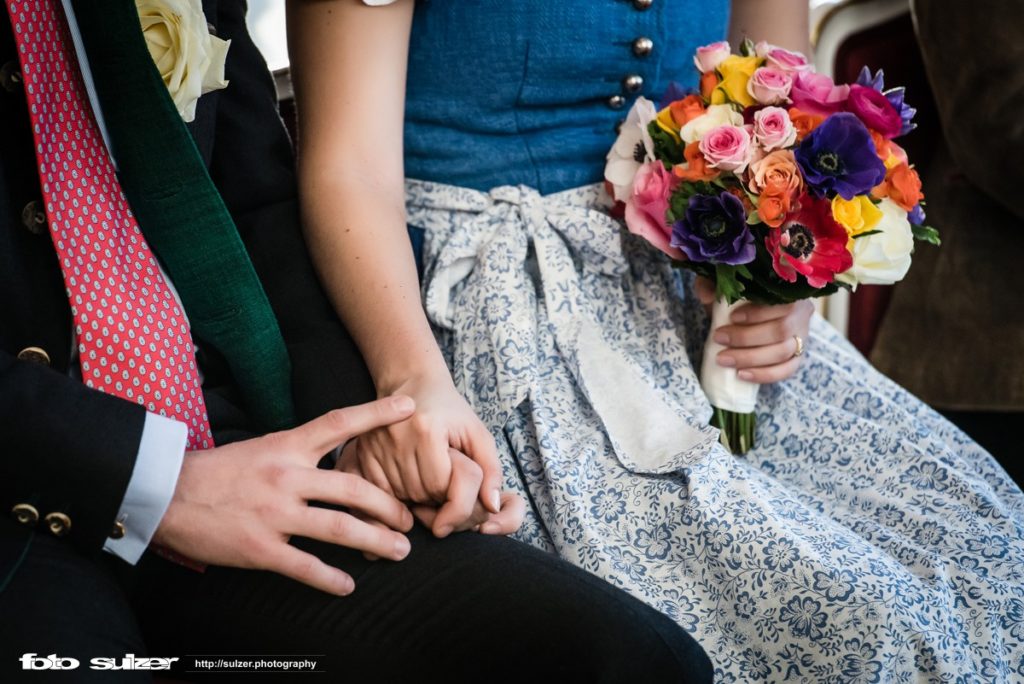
x: 34, y: 661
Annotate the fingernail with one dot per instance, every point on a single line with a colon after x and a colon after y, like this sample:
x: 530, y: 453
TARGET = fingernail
x: 444, y: 530
x: 347, y: 587
x: 721, y: 337
x: 402, y: 548
x: 739, y: 317
x: 490, y: 528
x: 496, y: 500
x: 726, y: 361
x: 403, y: 404
x: 745, y: 375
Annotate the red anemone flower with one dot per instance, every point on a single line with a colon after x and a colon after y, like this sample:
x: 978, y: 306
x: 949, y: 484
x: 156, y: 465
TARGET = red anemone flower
x: 809, y: 242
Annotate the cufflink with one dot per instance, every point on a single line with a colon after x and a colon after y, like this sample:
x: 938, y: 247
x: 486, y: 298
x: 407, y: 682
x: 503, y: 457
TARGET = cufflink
x: 118, y: 530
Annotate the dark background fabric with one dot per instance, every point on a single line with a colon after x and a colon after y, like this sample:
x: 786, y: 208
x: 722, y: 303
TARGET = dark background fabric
x: 954, y: 330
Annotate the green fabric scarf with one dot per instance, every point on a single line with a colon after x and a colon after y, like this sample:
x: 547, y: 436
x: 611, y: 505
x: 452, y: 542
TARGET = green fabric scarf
x: 180, y: 211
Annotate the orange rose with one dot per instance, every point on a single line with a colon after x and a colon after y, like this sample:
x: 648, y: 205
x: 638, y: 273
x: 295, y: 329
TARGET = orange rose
x: 773, y: 209
x: 697, y: 168
x: 881, y: 144
x: 902, y: 185
x: 687, y: 109
x: 708, y: 82
x: 776, y: 174
x: 804, y: 122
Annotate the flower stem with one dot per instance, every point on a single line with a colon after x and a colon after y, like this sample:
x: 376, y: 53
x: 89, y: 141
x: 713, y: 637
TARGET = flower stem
x: 737, y: 429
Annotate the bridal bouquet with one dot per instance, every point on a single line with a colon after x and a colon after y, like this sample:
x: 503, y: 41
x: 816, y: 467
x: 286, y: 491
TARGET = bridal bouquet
x: 774, y: 182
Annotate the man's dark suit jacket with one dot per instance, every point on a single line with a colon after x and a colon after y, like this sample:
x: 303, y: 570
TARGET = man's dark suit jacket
x: 68, y: 449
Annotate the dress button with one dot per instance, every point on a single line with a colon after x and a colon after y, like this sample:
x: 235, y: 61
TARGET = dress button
x: 58, y: 524
x: 34, y: 355
x: 642, y: 46
x: 10, y: 76
x: 641, y: 5
x: 34, y: 218
x: 633, y: 83
x: 616, y: 102
x: 26, y: 514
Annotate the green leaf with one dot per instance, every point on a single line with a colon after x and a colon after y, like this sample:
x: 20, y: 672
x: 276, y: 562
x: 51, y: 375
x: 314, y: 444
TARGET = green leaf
x: 677, y: 204
x: 727, y: 284
x: 866, y: 233
x: 754, y: 218
x: 747, y: 48
x: 666, y: 148
x: 926, y: 234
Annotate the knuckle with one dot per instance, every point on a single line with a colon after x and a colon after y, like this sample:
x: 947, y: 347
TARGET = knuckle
x: 340, y: 526
x: 339, y: 419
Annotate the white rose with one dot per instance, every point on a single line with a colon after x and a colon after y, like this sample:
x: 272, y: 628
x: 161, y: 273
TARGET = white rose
x: 882, y: 258
x: 190, y: 60
x: 633, y: 148
x: 715, y: 116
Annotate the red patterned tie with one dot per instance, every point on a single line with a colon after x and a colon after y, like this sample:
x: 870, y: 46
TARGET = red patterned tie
x: 133, y: 339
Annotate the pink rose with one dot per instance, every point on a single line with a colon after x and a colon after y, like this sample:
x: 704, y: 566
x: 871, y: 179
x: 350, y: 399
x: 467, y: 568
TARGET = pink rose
x: 727, y: 148
x: 647, y: 205
x: 769, y: 85
x: 773, y: 128
x: 875, y: 110
x: 817, y: 94
x: 785, y: 60
x: 710, y: 56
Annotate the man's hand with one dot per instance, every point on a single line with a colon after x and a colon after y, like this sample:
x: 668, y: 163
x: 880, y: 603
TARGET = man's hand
x: 237, y: 505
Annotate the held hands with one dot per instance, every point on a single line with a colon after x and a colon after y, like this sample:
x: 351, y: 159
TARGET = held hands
x: 761, y: 340
x: 461, y: 509
x: 237, y: 505
x: 435, y: 457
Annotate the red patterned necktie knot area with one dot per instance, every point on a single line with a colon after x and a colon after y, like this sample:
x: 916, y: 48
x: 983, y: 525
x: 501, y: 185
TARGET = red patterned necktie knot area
x: 133, y: 338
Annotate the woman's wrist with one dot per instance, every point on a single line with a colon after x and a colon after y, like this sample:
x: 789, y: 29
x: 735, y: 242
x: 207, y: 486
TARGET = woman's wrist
x: 404, y: 377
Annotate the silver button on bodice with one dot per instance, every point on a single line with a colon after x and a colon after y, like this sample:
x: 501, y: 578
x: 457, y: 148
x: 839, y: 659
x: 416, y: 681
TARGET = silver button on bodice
x: 643, y: 46
x: 633, y: 83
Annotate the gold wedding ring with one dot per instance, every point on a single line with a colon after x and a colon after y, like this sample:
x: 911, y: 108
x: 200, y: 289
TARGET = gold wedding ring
x: 799, y: 346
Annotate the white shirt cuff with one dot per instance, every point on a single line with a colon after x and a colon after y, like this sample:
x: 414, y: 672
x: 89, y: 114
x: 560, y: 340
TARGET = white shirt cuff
x: 151, y: 486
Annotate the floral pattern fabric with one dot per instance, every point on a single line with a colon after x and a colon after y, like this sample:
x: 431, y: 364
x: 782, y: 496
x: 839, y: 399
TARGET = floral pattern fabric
x: 864, y: 539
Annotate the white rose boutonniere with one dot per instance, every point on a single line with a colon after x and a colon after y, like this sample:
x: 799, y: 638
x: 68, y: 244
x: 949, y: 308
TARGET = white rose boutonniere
x: 189, y: 58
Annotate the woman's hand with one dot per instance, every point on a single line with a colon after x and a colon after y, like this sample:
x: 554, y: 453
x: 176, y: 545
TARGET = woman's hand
x: 411, y: 458
x: 761, y: 341
x: 461, y: 509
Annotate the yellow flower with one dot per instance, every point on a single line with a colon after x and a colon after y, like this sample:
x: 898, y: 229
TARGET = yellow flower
x: 668, y: 124
x: 857, y: 216
x: 736, y: 72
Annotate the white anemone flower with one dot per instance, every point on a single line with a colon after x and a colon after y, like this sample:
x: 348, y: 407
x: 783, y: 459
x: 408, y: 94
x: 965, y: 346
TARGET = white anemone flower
x: 633, y: 148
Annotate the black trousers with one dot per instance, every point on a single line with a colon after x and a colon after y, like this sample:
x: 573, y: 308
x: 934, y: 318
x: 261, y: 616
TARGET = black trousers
x: 467, y: 608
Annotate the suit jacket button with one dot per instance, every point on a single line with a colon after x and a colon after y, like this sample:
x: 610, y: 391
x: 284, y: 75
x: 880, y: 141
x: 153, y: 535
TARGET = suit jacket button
x: 34, y: 355
x: 34, y: 218
x: 10, y: 76
x: 58, y: 524
x: 642, y: 5
x: 118, y: 532
x: 616, y: 102
x: 26, y: 514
